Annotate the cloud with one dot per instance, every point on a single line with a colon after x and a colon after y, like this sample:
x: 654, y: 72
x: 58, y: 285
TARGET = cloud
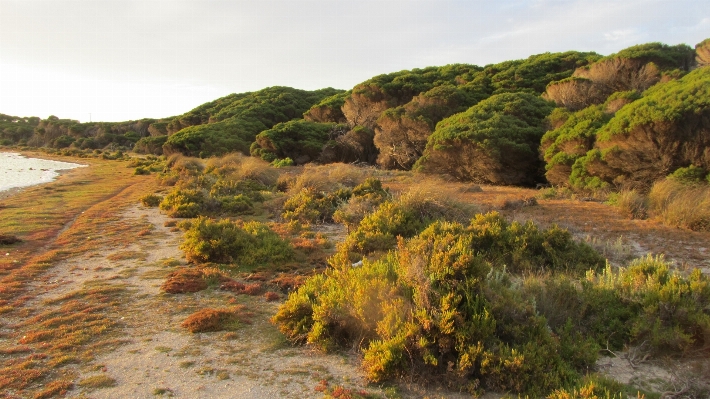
x: 236, y: 46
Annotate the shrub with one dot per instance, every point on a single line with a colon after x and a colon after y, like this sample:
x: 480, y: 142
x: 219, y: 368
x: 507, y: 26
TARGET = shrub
x: 151, y: 200
x: 282, y: 163
x: 404, y: 216
x: 495, y: 141
x: 150, y: 145
x: 209, y: 320
x: 249, y: 244
x: 663, y: 131
x: 183, y: 203
x: 689, y: 175
x: 229, y: 187
x: 141, y: 170
x: 328, y: 177
x: 184, y: 280
x: 231, y: 123
x: 437, y: 304
x: 271, y: 296
x: 299, y: 139
x: 669, y: 308
x: 235, y: 204
x: 365, y: 198
x: 309, y: 206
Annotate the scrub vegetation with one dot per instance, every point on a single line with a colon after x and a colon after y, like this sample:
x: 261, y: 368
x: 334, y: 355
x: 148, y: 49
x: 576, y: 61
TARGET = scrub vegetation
x: 382, y: 221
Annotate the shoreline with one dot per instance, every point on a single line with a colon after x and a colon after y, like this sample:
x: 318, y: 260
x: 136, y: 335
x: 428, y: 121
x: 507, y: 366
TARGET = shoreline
x: 12, y: 191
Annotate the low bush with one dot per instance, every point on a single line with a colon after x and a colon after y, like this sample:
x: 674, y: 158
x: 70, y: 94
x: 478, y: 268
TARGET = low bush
x: 226, y: 186
x: 689, y: 175
x: 9, y: 239
x: 235, y: 204
x: 151, y: 200
x: 310, y: 206
x: 141, y: 170
x: 365, y: 198
x: 670, y: 310
x: 405, y: 215
x: 186, y: 280
x: 282, y: 163
x: 223, y: 241
x: 442, y: 304
x: 329, y: 177
x: 209, y: 320
x: 239, y: 167
x: 183, y: 203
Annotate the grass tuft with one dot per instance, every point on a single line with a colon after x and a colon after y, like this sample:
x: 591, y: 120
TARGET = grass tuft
x: 97, y: 382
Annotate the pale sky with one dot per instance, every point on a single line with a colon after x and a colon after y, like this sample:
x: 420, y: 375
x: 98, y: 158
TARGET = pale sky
x: 120, y: 60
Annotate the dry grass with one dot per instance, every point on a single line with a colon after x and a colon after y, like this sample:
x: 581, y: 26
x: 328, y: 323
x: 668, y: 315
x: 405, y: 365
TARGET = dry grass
x: 240, y: 167
x: 127, y: 255
x: 681, y: 205
x: 507, y: 203
x: 329, y: 177
x: 97, y: 381
x: 437, y: 201
x: 180, y: 163
x: 54, y: 389
x: 632, y: 204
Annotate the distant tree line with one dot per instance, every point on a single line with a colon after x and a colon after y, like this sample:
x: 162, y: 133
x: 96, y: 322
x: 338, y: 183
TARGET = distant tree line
x: 573, y: 119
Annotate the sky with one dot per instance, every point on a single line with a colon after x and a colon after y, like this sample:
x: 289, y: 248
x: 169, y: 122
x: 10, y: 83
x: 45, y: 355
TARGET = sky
x: 105, y: 60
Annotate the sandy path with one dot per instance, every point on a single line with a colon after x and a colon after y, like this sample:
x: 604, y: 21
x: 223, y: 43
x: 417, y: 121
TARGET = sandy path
x: 158, y: 357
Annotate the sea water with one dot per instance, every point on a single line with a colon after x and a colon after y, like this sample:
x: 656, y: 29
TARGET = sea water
x: 19, y: 171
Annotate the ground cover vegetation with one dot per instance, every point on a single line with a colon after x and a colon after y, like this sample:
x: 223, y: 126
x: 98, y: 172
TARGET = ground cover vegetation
x: 44, y: 339
x: 430, y: 288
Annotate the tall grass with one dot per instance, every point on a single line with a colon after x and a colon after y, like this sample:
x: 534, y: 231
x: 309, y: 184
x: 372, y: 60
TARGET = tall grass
x: 681, y: 205
x: 329, y: 177
x: 632, y: 203
x: 239, y: 167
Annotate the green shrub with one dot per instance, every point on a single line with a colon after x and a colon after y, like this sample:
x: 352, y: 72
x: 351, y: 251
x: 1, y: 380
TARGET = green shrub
x: 299, y: 140
x: 403, y: 216
x: 223, y: 241
x: 183, y: 203
x: 150, y: 145
x: 438, y: 304
x: 151, y: 200
x: 235, y: 204
x: 689, y: 175
x: 670, y: 308
x: 231, y: 123
x: 309, y: 206
x: 141, y: 170
x: 282, y: 163
x: 247, y: 187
